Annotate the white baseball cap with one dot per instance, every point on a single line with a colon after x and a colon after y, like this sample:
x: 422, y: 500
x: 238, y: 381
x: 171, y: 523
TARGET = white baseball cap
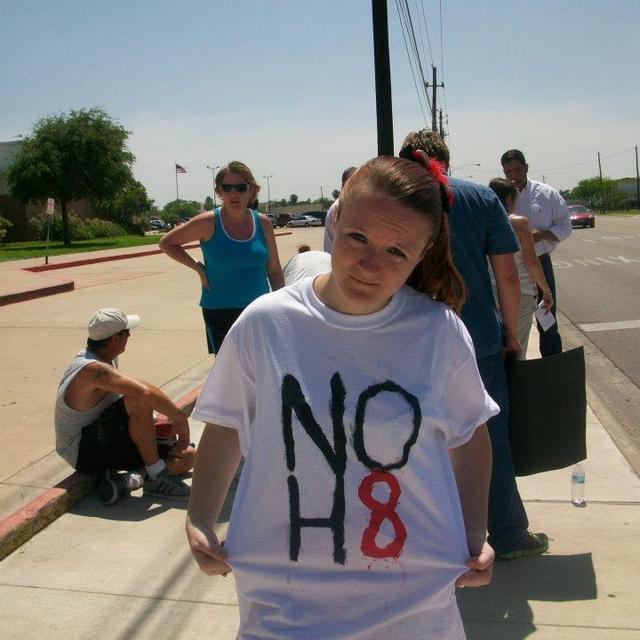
x: 107, y: 322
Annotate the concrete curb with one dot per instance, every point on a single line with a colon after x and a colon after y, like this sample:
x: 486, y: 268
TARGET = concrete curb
x: 40, y: 292
x: 24, y: 523
x: 85, y: 261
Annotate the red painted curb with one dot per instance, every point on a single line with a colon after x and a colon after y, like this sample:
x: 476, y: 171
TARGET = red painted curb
x: 85, y: 261
x: 23, y: 296
x: 24, y: 523
x: 31, y: 294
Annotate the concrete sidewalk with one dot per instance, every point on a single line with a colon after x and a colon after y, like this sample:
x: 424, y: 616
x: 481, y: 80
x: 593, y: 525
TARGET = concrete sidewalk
x: 125, y: 571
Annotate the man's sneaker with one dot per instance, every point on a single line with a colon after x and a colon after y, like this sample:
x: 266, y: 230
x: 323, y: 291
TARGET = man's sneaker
x: 110, y: 486
x: 133, y: 480
x: 167, y: 486
x: 534, y: 545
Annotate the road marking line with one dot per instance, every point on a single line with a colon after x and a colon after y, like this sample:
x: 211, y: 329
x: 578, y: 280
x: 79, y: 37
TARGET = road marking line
x: 611, y: 326
x: 591, y: 241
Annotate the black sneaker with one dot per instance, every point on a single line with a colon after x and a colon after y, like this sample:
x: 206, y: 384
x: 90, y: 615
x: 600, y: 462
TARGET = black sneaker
x: 110, y: 486
x: 534, y: 545
x: 167, y: 486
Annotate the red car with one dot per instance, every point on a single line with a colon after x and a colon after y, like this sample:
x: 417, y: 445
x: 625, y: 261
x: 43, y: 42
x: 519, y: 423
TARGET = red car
x: 581, y: 216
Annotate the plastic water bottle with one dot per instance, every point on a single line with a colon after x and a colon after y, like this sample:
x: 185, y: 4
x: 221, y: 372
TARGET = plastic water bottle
x: 577, y: 485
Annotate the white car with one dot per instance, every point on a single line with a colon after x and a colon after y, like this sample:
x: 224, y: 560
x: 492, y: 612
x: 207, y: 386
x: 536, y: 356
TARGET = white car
x: 305, y: 221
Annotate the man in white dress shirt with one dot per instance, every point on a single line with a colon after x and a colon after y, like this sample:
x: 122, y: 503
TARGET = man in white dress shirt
x: 550, y: 222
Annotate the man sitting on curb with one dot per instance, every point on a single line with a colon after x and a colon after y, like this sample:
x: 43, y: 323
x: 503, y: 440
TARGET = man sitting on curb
x: 104, y: 419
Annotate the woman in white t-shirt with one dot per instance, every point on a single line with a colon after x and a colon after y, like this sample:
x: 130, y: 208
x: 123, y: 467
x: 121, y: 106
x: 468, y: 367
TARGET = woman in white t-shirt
x: 358, y: 406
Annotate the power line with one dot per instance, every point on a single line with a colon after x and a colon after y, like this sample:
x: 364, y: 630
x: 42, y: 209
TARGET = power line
x: 426, y: 28
x: 422, y: 40
x: 586, y: 162
x: 415, y: 64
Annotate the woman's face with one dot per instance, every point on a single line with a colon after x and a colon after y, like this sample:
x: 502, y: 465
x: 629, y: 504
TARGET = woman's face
x: 234, y: 199
x: 378, y: 242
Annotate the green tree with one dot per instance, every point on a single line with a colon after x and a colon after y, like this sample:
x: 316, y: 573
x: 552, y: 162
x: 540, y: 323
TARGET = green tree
x: 72, y: 157
x: 177, y: 209
x: 208, y: 204
x: 293, y: 198
x: 603, y: 193
x: 131, y: 201
x: 335, y: 194
x: 283, y: 203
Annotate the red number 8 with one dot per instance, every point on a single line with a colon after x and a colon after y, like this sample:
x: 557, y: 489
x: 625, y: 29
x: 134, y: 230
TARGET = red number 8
x: 379, y: 512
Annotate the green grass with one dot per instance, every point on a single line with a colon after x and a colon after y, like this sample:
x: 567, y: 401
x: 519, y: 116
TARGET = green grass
x: 23, y: 250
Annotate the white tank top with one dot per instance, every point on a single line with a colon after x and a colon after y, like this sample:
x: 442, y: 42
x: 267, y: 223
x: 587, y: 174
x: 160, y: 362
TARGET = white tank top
x: 69, y: 422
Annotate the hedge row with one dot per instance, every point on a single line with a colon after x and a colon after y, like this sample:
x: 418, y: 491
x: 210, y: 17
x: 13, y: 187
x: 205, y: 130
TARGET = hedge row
x: 80, y: 229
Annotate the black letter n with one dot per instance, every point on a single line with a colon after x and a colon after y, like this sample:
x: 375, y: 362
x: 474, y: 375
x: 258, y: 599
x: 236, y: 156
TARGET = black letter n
x: 293, y: 400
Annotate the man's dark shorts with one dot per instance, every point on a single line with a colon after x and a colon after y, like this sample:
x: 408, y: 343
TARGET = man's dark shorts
x: 106, y: 444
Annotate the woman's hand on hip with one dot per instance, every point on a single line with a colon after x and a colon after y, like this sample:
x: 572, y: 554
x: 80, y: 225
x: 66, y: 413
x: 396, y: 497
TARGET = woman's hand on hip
x: 204, y: 281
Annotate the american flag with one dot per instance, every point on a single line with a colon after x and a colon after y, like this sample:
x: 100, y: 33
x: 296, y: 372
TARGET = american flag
x: 180, y: 169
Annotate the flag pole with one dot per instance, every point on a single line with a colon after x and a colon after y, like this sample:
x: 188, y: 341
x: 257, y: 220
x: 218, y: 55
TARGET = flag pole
x: 175, y: 168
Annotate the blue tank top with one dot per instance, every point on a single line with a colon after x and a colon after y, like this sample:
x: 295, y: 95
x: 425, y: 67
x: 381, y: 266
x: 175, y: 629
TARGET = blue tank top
x: 236, y: 269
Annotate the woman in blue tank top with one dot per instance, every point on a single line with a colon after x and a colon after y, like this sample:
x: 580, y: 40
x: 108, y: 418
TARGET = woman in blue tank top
x: 240, y: 257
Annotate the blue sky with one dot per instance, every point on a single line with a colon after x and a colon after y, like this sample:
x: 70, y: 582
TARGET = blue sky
x: 288, y: 87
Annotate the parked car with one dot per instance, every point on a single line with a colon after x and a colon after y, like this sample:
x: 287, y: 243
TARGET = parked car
x: 581, y: 216
x: 321, y: 215
x: 305, y: 221
x: 273, y: 220
x: 282, y: 219
x: 157, y: 224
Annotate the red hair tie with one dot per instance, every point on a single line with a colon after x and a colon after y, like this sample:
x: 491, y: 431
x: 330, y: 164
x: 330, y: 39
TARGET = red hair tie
x: 436, y: 169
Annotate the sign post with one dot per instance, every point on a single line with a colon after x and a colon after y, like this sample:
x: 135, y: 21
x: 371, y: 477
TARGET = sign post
x: 50, y: 206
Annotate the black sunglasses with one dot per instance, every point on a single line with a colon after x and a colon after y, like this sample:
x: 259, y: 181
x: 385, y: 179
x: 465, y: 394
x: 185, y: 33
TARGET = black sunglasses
x: 228, y: 188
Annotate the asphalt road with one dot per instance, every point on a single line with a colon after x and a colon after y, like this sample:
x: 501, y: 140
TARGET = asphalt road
x: 598, y: 282
x: 598, y: 286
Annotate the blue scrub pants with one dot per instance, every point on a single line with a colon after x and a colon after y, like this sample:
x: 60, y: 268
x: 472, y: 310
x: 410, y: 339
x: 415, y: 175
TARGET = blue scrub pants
x: 508, y: 521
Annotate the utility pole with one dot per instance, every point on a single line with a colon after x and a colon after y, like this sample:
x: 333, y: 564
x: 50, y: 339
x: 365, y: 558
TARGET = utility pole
x: 601, y: 190
x: 268, y: 177
x: 382, y: 66
x: 441, y: 127
x: 321, y: 199
x: 637, y: 181
x: 434, y: 86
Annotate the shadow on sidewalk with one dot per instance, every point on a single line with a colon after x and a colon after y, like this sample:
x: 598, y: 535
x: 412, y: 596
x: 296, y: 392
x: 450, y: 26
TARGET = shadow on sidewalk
x: 133, y: 508
x: 501, y: 611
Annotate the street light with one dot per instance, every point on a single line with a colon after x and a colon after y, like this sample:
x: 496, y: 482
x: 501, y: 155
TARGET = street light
x: 213, y: 176
x: 268, y: 177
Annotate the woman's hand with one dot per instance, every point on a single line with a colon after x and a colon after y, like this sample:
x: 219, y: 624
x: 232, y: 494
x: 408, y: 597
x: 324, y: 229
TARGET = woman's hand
x: 204, y: 282
x: 480, y: 569
x: 547, y: 298
x: 512, y: 348
x: 207, y: 550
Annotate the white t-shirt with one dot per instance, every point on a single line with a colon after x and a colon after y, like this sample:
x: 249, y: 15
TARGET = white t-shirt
x: 320, y: 400
x: 306, y: 264
x: 545, y: 209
